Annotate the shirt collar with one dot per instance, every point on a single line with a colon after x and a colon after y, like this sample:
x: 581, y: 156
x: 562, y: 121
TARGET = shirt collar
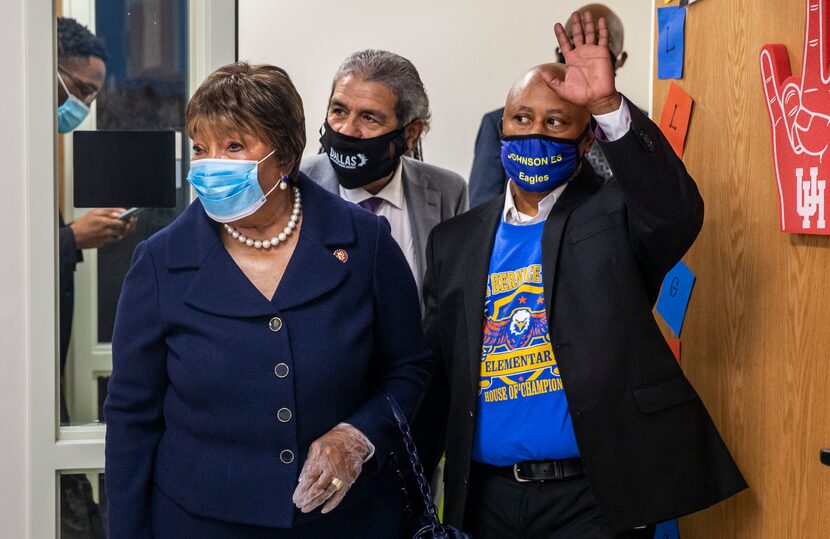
x: 392, y: 192
x: 512, y: 216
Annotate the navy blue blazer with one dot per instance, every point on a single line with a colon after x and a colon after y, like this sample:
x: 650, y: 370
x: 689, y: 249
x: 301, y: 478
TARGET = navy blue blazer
x: 203, y: 363
x: 487, y: 177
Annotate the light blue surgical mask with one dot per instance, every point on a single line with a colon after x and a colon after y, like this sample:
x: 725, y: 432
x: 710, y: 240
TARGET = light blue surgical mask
x: 228, y: 188
x: 72, y: 112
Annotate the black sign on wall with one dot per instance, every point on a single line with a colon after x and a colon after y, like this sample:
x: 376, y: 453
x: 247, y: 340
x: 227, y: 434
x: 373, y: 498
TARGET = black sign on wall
x: 124, y: 169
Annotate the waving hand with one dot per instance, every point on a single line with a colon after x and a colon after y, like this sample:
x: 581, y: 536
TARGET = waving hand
x: 589, y: 80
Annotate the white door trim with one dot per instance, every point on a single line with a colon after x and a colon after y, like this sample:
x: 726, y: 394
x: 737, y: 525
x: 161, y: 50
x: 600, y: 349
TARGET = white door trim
x: 41, y: 231
x: 53, y: 449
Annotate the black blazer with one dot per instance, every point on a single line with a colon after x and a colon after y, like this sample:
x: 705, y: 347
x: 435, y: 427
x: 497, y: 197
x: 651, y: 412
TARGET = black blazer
x: 68, y: 257
x: 649, y: 448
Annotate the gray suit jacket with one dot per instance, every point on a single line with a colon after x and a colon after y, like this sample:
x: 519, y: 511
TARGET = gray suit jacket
x: 432, y: 195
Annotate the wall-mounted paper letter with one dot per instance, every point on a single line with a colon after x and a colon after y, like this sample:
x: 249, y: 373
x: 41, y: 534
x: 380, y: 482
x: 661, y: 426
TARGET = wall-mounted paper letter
x: 671, y: 22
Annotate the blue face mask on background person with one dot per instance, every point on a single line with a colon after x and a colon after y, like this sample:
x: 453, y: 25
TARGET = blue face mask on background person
x: 538, y: 163
x: 72, y: 112
x: 228, y: 188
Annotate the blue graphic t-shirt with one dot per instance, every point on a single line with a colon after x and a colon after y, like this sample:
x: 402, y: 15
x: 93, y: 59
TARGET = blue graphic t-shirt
x: 522, y: 411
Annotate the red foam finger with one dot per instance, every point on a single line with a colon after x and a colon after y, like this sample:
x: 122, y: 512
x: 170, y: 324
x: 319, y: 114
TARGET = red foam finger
x: 800, y: 124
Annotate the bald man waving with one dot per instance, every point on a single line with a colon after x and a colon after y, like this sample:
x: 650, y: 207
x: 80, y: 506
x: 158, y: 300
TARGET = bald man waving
x: 558, y: 403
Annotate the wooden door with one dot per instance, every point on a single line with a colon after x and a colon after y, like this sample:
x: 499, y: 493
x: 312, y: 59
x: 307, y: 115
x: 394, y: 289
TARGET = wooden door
x: 757, y: 333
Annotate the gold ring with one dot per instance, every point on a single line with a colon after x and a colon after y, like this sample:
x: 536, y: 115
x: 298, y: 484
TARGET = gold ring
x: 337, y: 483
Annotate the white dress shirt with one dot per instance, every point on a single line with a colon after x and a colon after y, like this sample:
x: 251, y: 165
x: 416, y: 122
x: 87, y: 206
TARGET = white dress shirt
x: 393, y: 207
x: 610, y: 127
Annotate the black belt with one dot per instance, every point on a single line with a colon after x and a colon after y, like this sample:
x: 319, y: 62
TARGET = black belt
x: 538, y: 471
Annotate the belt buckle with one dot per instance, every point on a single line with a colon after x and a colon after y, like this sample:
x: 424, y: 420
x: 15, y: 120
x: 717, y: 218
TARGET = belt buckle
x: 558, y: 470
x: 516, y: 475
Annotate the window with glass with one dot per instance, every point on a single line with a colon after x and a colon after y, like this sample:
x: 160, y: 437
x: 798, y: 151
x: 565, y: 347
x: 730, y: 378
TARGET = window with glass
x: 145, y: 88
x: 131, y: 76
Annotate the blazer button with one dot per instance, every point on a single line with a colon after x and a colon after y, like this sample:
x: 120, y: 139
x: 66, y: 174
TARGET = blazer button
x: 647, y: 141
x: 281, y: 370
x: 284, y: 415
x: 471, y: 413
x: 287, y: 456
x: 275, y: 324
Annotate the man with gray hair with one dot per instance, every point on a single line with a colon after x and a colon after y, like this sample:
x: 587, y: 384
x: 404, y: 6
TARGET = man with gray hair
x: 377, y: 114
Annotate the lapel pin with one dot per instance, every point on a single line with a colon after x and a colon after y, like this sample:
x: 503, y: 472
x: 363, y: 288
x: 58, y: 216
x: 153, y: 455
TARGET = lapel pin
x: 341, y: 255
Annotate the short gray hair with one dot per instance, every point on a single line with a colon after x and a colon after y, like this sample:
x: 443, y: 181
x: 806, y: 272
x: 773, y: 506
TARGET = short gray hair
x: 397, y: 73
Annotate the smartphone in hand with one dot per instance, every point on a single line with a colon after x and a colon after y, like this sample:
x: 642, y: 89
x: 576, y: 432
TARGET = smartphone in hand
x: 125, y: 215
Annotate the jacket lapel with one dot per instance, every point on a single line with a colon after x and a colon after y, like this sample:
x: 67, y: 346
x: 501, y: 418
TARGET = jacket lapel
x: 314, y: 270
x: 580, y: 187
x: 220, y: 287
x: 477, y: 261
x: 424, y: 207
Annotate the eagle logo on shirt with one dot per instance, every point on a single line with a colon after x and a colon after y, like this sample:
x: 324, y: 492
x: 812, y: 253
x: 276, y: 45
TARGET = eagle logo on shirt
x: 519, y: 330
x: 515, y: 340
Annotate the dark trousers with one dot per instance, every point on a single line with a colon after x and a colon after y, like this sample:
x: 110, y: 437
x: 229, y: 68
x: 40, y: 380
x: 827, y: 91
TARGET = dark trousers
x: 499, y: 507
x: 372, y: 518
x: 80, y: 515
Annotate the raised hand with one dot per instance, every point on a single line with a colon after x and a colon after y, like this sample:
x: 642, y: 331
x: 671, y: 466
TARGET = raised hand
x: 799, y: 113
x: 589, y: 79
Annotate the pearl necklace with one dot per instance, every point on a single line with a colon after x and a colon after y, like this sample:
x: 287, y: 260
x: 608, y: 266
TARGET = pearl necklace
x: 279, y: 238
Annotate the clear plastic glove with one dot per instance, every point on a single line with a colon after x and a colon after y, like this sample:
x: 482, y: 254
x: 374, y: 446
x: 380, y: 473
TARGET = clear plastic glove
x: 334, y: 462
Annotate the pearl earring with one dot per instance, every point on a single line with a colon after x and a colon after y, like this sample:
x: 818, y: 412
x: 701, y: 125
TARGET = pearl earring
x: 284, y: 183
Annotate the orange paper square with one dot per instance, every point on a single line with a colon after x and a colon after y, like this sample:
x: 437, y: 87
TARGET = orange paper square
x: 674, y: 344
x: 674, y: 122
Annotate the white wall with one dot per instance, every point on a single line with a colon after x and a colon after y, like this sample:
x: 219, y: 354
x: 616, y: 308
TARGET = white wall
x: 14, y: 493
x: 468, y: 52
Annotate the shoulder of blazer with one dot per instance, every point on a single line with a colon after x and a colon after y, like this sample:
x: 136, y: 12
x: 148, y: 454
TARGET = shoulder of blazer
x: 494, y: 116
x: 435, y: 176
x: 319, y: 169
x: 450, y: 184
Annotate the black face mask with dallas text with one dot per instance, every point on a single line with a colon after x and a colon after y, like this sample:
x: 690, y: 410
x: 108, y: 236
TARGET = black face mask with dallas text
x: 361, y: 161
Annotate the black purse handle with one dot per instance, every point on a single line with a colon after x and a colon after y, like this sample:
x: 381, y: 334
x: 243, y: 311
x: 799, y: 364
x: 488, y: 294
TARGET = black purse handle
x: 431, y: 512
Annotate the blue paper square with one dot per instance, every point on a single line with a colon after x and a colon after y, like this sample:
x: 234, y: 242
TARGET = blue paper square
x: 674, y: 296
x: 671, y: 22
x: 667, y: 530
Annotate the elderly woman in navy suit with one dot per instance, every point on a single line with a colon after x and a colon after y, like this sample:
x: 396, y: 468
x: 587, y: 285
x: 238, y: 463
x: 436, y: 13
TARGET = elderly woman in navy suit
x: 255, y: 339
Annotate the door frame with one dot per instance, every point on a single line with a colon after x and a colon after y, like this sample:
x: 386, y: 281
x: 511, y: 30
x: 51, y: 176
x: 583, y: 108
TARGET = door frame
x: 54, y: 449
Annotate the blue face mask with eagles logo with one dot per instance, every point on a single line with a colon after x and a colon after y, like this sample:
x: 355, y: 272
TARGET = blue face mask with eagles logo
x: 539, y: 163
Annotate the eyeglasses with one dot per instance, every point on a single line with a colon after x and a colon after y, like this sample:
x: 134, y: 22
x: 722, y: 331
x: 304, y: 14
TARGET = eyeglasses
x: 88, y: 92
